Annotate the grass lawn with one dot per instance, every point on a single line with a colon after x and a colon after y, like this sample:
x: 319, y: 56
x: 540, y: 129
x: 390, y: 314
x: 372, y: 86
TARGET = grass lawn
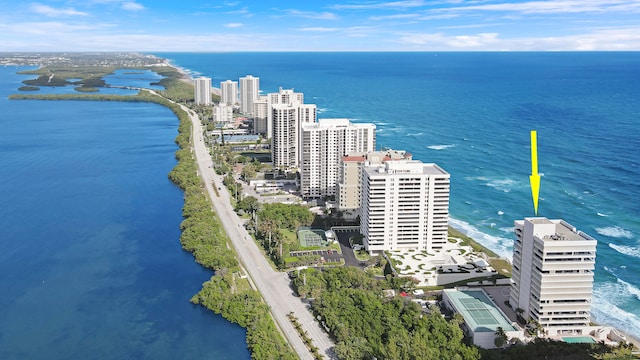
x: 467, y: 241
x: 362, y: 255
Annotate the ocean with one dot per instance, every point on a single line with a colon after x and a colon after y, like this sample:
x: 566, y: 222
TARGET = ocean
x: 472, y: 114
x: 90, y: 254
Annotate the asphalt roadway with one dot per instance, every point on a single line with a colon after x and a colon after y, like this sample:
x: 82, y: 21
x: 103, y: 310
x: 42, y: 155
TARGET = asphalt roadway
x: 273, y: 285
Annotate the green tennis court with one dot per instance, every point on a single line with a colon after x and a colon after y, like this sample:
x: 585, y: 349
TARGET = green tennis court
x: 311, y: 237
x: 479, y: 312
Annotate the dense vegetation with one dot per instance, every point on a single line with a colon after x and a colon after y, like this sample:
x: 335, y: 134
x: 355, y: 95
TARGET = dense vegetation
x: 367, y: 325
x: 275, y: 221
x: 203, y: 235
x: 552, y: 350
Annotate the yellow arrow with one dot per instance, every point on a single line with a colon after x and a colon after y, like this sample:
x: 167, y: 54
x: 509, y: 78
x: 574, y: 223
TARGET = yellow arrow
x: 534, y: 179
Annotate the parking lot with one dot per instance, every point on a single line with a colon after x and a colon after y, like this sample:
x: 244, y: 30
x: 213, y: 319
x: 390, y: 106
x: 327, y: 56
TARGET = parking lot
x: 327, y: 254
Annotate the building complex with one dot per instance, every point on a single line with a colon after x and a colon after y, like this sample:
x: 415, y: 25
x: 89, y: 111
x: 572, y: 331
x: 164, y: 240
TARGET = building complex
x: 405, y: 205
x: 286, y: 114
x: 322, y: 145
x: 552, y: 281
x: 348, y: 187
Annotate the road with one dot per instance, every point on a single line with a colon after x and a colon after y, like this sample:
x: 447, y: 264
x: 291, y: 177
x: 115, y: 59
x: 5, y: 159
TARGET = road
x: 273, y: 285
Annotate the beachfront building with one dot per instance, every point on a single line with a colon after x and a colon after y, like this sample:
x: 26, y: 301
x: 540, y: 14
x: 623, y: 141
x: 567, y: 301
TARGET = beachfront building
x: 287, y: 111
x: 249, y: 92
x: 350, y: 174
x: 482, y: 317
x: 552, y: 279
x: 223, y: 114
x: 202, y: 90
x: 228, y: 92
x: 323, y: 144
x: 405, y: 205
x: 261, y: 117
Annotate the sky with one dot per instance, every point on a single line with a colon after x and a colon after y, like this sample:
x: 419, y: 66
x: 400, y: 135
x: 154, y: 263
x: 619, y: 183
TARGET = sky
x: 310, y: 25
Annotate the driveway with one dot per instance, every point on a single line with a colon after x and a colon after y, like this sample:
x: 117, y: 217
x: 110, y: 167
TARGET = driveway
x: 347, y: 251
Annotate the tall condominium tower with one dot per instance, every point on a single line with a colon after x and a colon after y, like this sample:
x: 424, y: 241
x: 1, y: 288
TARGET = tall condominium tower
x: 405, y: 205
x: 322, y: 146
x: 249, y: 92
x: 287, y: 112
x: 552, y: 279
x: 348, y: 187
x: 202, y: 90
x: 260, y: 117
x: 228, y: 92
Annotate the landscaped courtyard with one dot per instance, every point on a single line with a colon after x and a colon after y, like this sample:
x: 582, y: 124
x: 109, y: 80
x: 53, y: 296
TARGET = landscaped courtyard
x: 454, y: 263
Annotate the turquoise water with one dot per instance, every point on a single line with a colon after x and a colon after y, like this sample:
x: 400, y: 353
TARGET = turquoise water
x: 472, y: 113
x: 90, y: 256
x: 579, y: 340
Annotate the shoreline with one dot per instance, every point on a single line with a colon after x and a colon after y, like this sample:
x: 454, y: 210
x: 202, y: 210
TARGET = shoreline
x: 186, y: 78
x: 485, y: 240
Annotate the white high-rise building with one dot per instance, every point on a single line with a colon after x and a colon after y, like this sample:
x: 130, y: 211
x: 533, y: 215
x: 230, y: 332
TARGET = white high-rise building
x: 552, y: 280
x: 249, y: 92
x: 287, y: 111
x: 322, y: 146
x: 348, y: 187
x: 202, y: 90
x: 229, y: 92
x: 404, y: 205
x: 261, y: 116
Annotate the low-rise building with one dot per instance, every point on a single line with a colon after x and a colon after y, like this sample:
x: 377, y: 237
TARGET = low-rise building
x: 482, y: 317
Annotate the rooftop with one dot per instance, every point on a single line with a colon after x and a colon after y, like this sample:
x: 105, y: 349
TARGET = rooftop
x: 555, y: 229
x: 401, y: 167
x: 479, y: 312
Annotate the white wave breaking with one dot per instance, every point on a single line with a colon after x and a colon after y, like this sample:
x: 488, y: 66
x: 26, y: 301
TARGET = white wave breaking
x: 633, y: 251
x: 508, y: 230
x: 615, y: 232
x: 607, y: 297
x: 603, y: 215
x: 504, y: 185
x: 501, y: 246
x: 440, y: 147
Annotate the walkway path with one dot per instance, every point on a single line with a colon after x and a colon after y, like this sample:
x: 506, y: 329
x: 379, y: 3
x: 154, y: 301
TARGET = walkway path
x: 273, y: 285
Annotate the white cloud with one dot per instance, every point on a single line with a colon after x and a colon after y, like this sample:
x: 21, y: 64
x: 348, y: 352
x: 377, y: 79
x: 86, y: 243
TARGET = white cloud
x: 319, y: 29
x: 440, y: 40
x: 311, y: 14
x: 395, y: 17
x: 555, y: 7
x: 610, y: 39
x: 233, y: 25
x: 132, y: 6
x: 381, y: 5
x: 49, y: 28
x: 243, y: 11
x: 53, y: 12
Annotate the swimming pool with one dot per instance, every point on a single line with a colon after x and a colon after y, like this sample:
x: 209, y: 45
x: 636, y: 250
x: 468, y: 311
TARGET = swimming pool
x: 579, y: 340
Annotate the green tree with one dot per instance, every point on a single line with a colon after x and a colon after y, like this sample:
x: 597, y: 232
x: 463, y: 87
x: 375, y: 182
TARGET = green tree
x: 501, y: 338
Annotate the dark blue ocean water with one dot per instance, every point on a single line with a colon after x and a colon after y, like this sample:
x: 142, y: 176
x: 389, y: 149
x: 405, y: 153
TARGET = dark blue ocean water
x: 90, y: 260
x: 472, y: 113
